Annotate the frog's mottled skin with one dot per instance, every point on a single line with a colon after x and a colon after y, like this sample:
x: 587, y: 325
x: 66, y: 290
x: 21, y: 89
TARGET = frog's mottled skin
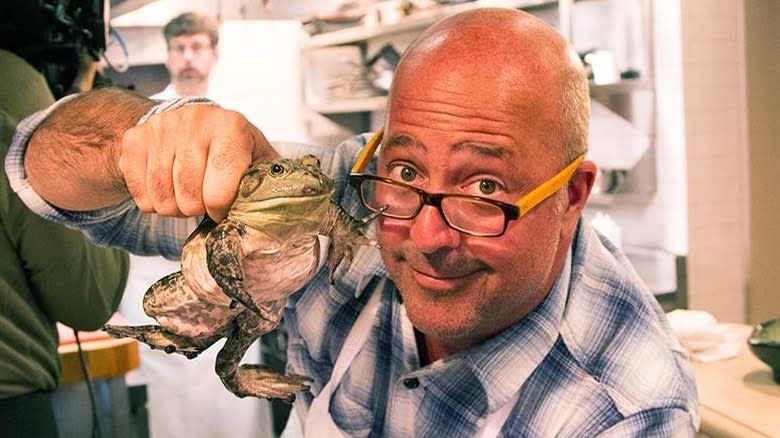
x: 236, y: 275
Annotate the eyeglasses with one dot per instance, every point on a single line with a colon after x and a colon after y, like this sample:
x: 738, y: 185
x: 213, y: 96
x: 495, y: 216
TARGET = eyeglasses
x: 473, y: 215
x: 196, y: 48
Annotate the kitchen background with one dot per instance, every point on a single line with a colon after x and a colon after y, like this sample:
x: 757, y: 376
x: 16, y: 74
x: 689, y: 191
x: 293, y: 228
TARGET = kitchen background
x: 685, y: 116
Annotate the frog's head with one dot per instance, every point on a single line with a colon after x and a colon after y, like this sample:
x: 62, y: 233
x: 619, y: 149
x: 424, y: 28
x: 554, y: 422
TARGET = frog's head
x: 294, y: 187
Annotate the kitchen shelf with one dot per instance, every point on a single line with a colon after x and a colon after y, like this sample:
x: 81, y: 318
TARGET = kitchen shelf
x: 415, y: 21
x: 623, y: 85
x: 378, y: 103
x: 357, y: 105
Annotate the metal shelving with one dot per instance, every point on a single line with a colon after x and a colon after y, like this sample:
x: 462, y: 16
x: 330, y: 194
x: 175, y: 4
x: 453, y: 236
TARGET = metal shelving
x: 416, y: 21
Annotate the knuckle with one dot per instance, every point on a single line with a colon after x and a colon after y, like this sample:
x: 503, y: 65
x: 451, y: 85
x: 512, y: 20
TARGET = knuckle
x: 168, y: 209
x: 137, y: 191
x: 160, y: 189
x: 190, y: 209
x: 190, y: 202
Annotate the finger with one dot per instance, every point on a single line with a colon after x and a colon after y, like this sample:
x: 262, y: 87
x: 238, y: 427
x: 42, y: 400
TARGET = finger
x: 188, y: 172
x: 132, y: 164
x: 159, y: 171
x: 227, y: 161
x: 230, y: 153
x: 262, y: 149
x: 159, y: 182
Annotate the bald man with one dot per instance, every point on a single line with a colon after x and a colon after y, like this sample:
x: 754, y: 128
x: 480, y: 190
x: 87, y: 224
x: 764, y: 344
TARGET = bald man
x: 493, y: 308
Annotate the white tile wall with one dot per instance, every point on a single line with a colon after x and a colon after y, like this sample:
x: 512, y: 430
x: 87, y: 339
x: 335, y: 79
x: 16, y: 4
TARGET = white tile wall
x: 714, y: 108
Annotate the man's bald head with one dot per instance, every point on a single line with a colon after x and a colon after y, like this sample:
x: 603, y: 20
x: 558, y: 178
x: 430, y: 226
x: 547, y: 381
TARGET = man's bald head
x: 517, y: 57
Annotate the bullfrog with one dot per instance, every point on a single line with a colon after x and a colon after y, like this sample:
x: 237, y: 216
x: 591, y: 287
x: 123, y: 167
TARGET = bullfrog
x: 236, y: 275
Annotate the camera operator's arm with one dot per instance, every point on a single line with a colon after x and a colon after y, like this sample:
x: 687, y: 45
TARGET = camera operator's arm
x: 88, y: 154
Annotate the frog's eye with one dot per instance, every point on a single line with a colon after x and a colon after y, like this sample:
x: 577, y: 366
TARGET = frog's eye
x: 276, y: 170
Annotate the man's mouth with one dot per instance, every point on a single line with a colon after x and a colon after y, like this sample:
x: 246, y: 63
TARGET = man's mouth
x: 442, y: 281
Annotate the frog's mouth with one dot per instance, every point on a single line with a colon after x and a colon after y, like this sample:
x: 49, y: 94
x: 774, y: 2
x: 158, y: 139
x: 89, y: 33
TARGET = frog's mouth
x: 282, y: 209
x: 303, y: 197
x: 314, y: 190
x: 289, y: 193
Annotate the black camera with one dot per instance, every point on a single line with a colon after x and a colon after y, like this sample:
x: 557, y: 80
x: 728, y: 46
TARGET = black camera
x: 53, y: 35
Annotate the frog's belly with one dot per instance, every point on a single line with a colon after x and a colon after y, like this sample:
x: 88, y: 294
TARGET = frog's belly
x: 274, y: 274
x: 272, y: 270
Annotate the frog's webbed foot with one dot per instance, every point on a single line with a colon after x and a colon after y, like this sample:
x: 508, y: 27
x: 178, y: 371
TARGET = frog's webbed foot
x: 252, y: 379
x: 159, y: 338
x: 255, y: 380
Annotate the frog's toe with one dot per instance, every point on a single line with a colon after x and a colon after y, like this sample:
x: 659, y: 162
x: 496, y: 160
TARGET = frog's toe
x: 186, y: 352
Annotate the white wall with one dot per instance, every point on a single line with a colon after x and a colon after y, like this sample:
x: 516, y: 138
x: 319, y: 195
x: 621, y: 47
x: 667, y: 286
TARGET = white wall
x: 715, y: 137
x: 259, y: 74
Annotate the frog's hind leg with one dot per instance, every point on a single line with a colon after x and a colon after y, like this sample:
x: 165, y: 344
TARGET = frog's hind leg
x: 254, y: 379
x: 159, y: 338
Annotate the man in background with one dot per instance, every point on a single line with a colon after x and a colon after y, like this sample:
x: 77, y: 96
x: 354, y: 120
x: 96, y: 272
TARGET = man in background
x: 192, y: 40
x: 186, y: 398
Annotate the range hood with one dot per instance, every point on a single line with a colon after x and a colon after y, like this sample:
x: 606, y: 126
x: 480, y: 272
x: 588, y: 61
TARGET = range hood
x: 615, y: 143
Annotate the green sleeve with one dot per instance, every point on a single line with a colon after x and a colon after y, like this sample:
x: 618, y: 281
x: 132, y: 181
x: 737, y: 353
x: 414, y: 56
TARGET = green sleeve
x: 70, y: 279
x: 75, y: 282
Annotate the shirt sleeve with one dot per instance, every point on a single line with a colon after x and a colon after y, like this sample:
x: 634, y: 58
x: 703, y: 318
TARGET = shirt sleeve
x: 122, y: 225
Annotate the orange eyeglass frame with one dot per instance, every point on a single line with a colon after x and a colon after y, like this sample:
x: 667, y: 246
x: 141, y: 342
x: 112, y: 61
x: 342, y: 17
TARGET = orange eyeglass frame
x: 526, y: 203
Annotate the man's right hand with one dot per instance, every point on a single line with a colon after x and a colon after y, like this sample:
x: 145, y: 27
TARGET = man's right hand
x: 189, y: 161
x: 88, y: 154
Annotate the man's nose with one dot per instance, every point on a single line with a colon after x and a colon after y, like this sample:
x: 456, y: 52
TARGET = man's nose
x: 430, y: 232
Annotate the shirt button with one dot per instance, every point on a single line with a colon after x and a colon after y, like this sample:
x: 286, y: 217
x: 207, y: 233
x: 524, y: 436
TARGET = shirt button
x: 411, y: 383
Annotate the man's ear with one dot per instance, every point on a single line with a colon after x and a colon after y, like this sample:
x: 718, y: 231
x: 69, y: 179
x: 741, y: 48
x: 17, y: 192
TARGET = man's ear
x: 579, y: 188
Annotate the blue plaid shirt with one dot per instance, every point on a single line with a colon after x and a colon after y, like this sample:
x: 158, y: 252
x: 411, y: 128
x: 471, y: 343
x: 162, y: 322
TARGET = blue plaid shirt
x: 596, y: 358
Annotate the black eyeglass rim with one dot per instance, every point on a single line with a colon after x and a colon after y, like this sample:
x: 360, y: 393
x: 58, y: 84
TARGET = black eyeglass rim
x: 511, y: 212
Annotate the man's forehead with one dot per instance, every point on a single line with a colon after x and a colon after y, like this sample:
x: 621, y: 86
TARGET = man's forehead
x: 191, y: 37
x: 409, y: 142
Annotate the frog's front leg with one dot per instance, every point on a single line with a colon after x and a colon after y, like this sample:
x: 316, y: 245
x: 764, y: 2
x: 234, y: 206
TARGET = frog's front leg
x: 254, y: 379
x: 224, y: 254
x: 346, y: 233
